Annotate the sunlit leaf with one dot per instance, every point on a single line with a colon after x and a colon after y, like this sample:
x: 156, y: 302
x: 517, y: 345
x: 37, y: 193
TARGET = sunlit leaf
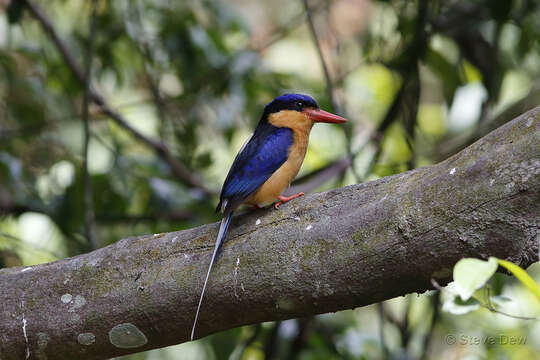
x: 471, y: 274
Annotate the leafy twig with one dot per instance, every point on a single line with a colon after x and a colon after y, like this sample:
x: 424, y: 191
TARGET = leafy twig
x: 487, y: 306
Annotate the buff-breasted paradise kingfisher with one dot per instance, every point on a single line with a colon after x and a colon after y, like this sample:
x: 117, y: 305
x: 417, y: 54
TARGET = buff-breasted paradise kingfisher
x: 268, y: 161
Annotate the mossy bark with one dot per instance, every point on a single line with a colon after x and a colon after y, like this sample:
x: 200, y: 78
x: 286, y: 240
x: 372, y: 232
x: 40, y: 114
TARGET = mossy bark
x: 325, y: 252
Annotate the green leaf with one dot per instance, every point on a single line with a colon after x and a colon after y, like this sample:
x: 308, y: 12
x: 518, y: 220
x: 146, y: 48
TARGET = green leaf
x: 471, y: 274
x: 457, y: 306
x: 521, y: 275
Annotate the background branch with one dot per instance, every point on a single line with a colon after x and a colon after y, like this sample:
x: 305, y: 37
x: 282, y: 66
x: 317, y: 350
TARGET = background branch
x: 89, y: 225
x: 178, y: 169
x: 326, y: 71
x: 330, y: 251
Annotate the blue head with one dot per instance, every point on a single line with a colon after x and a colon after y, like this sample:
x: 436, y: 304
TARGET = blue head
x: 291, y: 105
x: 295, y: 102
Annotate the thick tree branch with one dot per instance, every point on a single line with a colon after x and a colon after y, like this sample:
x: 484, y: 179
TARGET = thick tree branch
x: 326, y: 252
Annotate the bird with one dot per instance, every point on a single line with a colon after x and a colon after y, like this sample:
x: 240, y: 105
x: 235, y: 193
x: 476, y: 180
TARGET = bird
x: 267, y: 162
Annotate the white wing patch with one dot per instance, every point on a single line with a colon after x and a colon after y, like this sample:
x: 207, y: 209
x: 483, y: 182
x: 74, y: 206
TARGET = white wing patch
x: 245, y: 143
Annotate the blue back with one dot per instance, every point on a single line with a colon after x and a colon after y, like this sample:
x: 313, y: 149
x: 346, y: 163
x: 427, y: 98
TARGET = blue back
x: 264, y: 153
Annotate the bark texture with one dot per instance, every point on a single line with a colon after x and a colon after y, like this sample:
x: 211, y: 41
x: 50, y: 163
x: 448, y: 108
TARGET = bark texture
x: 325, y: 252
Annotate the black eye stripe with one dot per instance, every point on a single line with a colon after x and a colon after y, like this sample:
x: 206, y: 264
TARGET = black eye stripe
x: 300, y: 104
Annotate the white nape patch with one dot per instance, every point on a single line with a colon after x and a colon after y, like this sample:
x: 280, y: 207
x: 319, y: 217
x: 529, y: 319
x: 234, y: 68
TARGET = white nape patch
x: 127, y: 336
x: 26, y: 269
x: 309, y: 227
x: 86, y: 339
x: 452, y: 171
x: 66, y: 298
x: 258, y: 222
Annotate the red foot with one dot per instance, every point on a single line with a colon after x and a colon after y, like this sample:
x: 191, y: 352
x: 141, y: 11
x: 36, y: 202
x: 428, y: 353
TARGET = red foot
x: 284, y: 199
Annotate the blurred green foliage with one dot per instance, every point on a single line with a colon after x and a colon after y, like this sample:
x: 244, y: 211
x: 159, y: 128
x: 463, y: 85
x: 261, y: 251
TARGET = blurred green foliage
x: 412, y: 76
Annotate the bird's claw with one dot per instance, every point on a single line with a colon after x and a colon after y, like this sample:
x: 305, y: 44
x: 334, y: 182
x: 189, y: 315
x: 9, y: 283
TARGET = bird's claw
x: 284, y: 199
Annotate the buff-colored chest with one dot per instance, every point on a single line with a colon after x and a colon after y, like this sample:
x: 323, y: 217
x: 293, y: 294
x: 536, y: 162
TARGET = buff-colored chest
x: 282, y: 177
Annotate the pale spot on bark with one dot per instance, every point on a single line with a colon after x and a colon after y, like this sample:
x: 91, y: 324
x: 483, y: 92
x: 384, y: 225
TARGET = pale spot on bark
x: 66, y: 298
x: 86, y: 339
x: 127, y: 336
x: 79, y: 302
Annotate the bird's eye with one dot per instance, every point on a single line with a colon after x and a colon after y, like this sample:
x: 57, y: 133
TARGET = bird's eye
x: 300, y: 104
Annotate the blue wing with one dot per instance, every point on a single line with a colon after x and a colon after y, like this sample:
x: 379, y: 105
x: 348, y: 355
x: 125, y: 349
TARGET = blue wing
x: 264, y: 153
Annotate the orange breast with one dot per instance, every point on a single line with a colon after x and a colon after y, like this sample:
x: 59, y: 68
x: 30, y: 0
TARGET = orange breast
x: 283, y: 176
